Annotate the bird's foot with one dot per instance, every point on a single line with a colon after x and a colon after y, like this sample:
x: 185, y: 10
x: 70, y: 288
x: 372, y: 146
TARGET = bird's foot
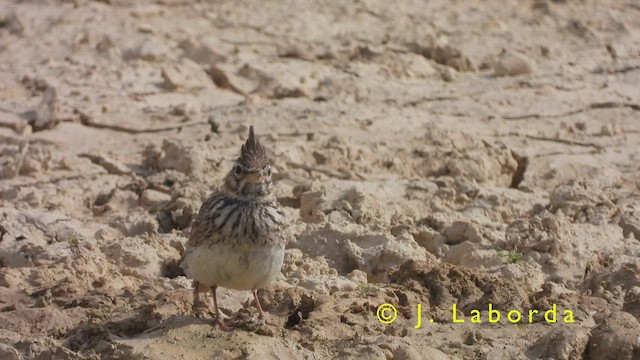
x: 220, y: 323
x: 246, y: 318
x: 264, y: 320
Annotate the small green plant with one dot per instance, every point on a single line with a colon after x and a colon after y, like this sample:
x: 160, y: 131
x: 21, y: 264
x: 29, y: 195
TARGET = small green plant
x: 74, y: 244
x: 510, y: 257
x: 368, y: 289
x: 102, y: 314
x: 206, y: 336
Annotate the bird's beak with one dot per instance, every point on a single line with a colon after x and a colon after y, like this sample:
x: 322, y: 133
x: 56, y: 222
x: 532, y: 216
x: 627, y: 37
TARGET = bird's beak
x: 256, y: 178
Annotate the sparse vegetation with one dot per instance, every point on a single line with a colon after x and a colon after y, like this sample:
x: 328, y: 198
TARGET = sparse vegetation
x: 74, y: 243
x: 206, y: 336
x: 368, y: 289
x: 102, y: 314
x: 510, y: 257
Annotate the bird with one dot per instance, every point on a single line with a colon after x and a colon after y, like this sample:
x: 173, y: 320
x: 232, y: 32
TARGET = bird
x: 238, y: 238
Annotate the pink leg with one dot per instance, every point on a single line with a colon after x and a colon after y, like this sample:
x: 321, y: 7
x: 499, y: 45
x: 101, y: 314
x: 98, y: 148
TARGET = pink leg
x: 218, y: 321
x: 262, y: 316
x: 198, y: 305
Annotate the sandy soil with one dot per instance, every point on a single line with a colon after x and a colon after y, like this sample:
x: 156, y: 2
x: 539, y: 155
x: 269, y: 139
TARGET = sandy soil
x: 430, y: 152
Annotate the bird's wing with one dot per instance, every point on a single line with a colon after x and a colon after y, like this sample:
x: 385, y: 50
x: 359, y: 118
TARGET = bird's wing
x: 203, y: 227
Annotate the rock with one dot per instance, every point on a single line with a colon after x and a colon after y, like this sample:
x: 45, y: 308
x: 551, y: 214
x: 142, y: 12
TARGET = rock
x: 448, y: 73
x: 451, y: 56
x: 8, y: 352
x: 415, y: 66
x: 9, y: 20
x: 183, y: 109
x: 220, y: 78
x: 24, y: 158
x: 630, y: 224
x: 313, y: 206
x: 58, y: 353
x: 375, y: 254
x: 18, y: 124
x: 176, y: 155
x: 153, y: 198
x: 186, y: 75
x: 472, y: 255
x: 582, y: 30
x: 110, y: 165
x: 36, y: 236
x: 461, y: 231
x: 483, y: 163
x: 582, y: 200
x: 297, y: 51
x: 316, y: 275
x: 328, y: 284
x: 142, y: 225
x: 147, y: 11
x: 411, y: 353
x: 609, y: 130
x: 273, y: 86
x: 444, y: 282
x: 617, y: 337
x: 527, y: 276
x: 151, y: 49
x: 360, y: 204
x: 140, y: 256
x: 45, y: 113
x: 562, y: 250
x: 203, y: 54
x: 512, y: 64
x: 432, y: 241
x: 372, y: 352
x: 561, y: 344
x: 408, y: 353
x: 617, y: 283
x: 105, y: 46
x: 179, y: 212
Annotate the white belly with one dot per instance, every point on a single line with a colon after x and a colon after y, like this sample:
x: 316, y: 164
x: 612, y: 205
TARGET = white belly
x: 240, y: 268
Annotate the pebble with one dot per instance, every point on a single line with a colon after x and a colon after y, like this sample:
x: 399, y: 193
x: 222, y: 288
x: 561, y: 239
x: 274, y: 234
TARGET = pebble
x: 151, y: 49
x: 11, y: 22
x: 448, y: 73
x: 513, y: 64
x: 153, y: 198
x: 9, y: 353
x: 609, y: 130
x: 203, y: 54
x: 453, y: 57
x: 185, y: 75
x: 45, y: 114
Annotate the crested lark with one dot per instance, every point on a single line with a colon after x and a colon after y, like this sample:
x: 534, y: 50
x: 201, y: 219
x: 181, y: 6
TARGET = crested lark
x: 237, y: 240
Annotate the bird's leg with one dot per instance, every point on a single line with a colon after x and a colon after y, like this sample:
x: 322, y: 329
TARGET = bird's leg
x: 218, y: 321
x: 262, y: 317
x: 199, y: 307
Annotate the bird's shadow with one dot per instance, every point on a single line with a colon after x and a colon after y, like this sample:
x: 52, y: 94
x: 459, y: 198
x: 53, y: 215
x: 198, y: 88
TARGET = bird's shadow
x: 172, y: 323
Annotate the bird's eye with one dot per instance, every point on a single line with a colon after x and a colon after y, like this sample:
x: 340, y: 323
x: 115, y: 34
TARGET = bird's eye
x: 237, y: 169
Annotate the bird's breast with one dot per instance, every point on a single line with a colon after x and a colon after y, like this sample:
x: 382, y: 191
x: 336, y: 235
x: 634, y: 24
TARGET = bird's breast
x: 250, y: 222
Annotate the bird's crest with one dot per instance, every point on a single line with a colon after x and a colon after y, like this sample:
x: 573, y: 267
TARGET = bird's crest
x: 252, y: 153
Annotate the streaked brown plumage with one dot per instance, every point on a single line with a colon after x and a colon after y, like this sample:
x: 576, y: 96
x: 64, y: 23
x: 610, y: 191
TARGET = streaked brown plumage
x: 237, y: 240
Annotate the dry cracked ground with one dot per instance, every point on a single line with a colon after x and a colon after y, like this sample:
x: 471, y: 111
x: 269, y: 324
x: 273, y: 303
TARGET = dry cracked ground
x: 427, y: 152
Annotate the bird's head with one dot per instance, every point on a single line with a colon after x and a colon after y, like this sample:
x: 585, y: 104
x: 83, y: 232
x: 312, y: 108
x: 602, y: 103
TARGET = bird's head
x: 251, y: 173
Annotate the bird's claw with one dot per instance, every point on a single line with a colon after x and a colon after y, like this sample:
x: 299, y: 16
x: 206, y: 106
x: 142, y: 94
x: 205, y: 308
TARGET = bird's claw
x: 263, y: 320
x: 222, y: 325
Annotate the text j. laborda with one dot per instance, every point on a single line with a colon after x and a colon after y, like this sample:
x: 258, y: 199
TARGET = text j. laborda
x: 387, y: 314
